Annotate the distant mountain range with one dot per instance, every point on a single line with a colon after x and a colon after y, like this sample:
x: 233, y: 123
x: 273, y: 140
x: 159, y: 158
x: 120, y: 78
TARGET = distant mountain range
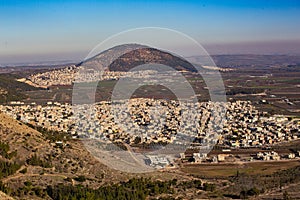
x: 246, y: 60
x: 124, y: 57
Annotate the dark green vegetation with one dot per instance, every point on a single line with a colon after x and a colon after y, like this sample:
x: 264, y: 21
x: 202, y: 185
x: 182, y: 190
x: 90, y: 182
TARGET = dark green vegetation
x: 12, y: 90
x: 7, y: 167
x: 133, y: 189
x: 4, y: 151
x: 244, y: 91
x: 36, y: 161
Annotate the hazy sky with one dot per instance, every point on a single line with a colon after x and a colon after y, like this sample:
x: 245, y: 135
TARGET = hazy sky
x: 62, y: 30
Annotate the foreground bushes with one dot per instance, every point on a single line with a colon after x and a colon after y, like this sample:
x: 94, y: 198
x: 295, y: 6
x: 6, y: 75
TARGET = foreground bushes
x: 137, y: 189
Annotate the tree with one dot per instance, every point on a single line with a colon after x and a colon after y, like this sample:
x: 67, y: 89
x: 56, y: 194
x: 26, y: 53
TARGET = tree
x: 253, y: 191
x: 209, y: 187
x: 286, y: 195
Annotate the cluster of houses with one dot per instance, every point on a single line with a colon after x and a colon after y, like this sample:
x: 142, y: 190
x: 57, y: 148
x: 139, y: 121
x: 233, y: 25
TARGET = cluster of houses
x: 197, y: 157
x: 149, y: 121
x: 268, y: 156
x: 63, y: 76
x: 275, y: 156
x: 248, y: 127
x: 71, y: 74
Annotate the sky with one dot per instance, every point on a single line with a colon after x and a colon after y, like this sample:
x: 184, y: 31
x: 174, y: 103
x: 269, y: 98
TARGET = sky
x: 32, y: 31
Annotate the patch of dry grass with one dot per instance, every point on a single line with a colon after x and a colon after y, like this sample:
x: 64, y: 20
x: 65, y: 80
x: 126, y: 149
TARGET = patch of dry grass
x: 225, y: 170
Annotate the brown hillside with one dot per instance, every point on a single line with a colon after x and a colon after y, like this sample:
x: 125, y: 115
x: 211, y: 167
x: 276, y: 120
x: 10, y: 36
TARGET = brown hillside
x: 59, y: 164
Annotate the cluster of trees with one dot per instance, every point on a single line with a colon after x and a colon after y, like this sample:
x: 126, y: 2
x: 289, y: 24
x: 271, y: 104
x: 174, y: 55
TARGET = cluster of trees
x: 235, y: 91
x: 189, y: 184
x: 251, y: 192
x: 133, y: 189
x: 80, y: 178
x: 27, y: 189
x: 3, y: 188
x: 8, y: 168
x: 209, y: 187
x: 4, y: 151
x: 37, y: 161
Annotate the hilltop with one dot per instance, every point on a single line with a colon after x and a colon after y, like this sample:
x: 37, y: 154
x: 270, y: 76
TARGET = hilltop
x: 125, y: 57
